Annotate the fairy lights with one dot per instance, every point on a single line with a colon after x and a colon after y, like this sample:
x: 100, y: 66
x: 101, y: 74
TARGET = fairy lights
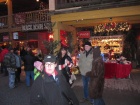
x: 112, y: 26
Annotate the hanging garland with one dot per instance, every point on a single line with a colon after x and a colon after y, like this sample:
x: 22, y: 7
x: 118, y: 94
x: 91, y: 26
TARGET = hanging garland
x: 112, y: 26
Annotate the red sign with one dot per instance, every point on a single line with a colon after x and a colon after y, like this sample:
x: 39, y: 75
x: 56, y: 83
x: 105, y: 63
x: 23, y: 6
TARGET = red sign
x: 84, y: 34
x: 5, y: 38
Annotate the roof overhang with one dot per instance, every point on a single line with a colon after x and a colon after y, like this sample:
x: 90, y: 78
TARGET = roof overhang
x: 97, y: 14
x: 129, y: 14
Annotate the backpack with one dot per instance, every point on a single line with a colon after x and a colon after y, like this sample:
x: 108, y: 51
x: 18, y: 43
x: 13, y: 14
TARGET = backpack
x: 9, y: 60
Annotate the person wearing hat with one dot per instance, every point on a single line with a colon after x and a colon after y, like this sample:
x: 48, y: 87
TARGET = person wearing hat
x: 85, y: 65
x: 51, y: 87
x: 38, y: 69
x: 96, y: 75
x: 10, y: 63
x: 29, y: 60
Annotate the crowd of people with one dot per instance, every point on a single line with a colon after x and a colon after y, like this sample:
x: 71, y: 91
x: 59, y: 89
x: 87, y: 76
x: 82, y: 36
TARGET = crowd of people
x: 51, y: 75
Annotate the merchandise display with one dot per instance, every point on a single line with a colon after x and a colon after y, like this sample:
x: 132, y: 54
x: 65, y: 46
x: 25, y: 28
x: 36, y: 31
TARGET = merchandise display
x: 108, y: 43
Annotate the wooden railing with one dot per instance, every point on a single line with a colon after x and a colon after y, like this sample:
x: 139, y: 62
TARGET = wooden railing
x: 37, y: 16
x: 61, y: 4
x: 31, y: 17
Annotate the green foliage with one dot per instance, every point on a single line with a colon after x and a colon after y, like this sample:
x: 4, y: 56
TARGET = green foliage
x: 70, y: 39
x: 51, y: 46
x: 72, y: 46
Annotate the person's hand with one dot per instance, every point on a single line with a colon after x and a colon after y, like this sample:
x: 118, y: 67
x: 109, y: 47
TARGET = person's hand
x: 64, y: 66
x: 66, y: 61
x: 61, y: 66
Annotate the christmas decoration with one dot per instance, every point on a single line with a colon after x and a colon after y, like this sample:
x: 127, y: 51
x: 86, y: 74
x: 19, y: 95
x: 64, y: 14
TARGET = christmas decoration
x: 66, y: 40
x: 63, y: 38
x: 51, y: 45
x: 112, y: 26
x: 69, y: 41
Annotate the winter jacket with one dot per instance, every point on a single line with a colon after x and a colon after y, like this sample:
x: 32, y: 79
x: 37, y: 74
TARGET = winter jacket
x: 65, y: 70
x: 48, y: 91
x: 3, y: 53
x: 18, y: 61
x: 29, y: 62
x: 85, y: 63
x: 96, y: 83
x: 9, y: 60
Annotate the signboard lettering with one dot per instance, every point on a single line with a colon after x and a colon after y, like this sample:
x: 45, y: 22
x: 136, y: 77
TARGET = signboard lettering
x: 84, y: 34
x: 34, y: 27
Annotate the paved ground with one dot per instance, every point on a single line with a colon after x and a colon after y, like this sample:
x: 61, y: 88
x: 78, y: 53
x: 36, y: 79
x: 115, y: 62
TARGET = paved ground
x: 116, y: 91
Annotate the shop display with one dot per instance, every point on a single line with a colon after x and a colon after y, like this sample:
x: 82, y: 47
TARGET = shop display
x: 108, y: 44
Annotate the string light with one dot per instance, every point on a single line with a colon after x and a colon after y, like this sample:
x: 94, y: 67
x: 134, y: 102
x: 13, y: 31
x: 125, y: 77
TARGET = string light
x: 112, y: 26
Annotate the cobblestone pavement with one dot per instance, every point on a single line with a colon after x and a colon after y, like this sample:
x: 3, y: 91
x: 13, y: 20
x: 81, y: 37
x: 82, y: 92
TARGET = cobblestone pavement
x: 116, y: 91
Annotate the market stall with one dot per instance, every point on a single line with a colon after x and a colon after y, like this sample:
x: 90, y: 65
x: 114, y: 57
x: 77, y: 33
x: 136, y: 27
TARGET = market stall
x: 115, y: 70
x: 107, y: 43
x: 116, y: 66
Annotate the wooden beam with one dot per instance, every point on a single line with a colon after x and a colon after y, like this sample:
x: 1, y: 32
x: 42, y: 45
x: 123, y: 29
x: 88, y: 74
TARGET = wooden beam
x: 129, y: 19
x: 3, y: 1
x: 94, y: 24
x: 97, y: 14
x: 13, y: 29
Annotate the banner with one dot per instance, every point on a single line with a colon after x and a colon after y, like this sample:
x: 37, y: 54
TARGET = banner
x: 5, y: 38
x: 84, y: 34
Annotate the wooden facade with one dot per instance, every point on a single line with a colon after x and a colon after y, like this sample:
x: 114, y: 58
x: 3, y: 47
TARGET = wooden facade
x: 88, y: 4
x: 19, y: 19
x: 90, y: 11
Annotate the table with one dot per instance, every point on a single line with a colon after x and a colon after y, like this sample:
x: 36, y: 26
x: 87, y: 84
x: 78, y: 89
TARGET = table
x: 123, y: 70
x: 110, y: 70
x: 114, y: 70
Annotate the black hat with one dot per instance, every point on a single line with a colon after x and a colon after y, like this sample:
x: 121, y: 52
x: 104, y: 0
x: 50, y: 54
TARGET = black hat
x: 49, y: 58
x: 88, y: 43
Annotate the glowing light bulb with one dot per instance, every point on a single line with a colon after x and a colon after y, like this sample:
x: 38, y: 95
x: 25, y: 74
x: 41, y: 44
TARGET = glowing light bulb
x: 37, y: 0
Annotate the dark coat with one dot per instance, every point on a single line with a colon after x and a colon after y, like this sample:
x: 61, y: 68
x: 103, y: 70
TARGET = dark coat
x: 66, y: 71
x: 96, y: 75
x: 46, y: 91
x: 29, y: 62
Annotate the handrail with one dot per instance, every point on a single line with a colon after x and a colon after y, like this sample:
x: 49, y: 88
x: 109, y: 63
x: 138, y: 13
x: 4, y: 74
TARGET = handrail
x: 30, y: 17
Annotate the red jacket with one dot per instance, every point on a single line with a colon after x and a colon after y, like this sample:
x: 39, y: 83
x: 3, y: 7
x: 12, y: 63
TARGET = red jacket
x: 3, y: 53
